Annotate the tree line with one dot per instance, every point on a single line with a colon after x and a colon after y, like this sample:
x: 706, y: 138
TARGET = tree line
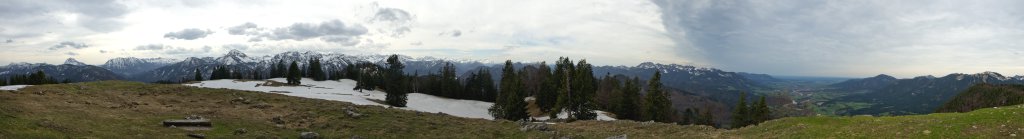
x: 745, y: 115
x: 36, y: 78
x: 569, y: 88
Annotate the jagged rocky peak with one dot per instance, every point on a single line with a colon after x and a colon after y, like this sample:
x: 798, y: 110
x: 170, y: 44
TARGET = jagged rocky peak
x: 235, y: 53
x: 72, y: 61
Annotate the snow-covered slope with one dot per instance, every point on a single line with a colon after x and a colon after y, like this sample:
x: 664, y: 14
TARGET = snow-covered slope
x: 128, y: 66
x: 342, y: 91
x: 13, y: 87
x: 72, y: 61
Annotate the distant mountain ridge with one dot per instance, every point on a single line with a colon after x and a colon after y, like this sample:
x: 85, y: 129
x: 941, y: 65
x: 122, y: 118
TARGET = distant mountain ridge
x: 872, y: 83
x: 128, y: 66
x: 918, y: 95
x: 719, y: 85
x: 75, y: 72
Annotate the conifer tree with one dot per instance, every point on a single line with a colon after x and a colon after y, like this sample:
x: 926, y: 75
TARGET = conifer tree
x: 741, y: 115
x: 294, y: 75
x: 659, y: 107
x: 509, y: 104
x: 548, y: 94
x: 628, y: 104
x: 449, y: 82
x: 396, y: 91
x: 480, y: 86
x: 760, y: 111
x: 316, y: 70
x: 282, y: 69
x: 351, y: 71
x: 581, y: 103
x: 563, y: 80
x: 198, y: 76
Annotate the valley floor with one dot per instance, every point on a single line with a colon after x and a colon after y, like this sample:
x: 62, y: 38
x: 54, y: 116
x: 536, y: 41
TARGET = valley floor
x: 118, y: 109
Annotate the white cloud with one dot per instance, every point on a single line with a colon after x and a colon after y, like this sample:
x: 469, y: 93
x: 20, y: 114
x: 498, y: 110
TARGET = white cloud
x: 69, y: 44
x: 188, y: 34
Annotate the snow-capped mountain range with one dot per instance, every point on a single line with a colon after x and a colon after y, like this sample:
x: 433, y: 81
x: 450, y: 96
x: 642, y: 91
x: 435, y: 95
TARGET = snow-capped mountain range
x: 71, y: 70
x: 240, y: 61
x: 128, y: 66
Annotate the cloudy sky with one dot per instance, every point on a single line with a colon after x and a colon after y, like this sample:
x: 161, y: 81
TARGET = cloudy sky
x: 785, y: 37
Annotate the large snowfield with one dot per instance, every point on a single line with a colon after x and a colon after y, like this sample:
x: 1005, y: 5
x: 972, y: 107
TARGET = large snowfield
x: 342, y: 91
x: 13, y: 87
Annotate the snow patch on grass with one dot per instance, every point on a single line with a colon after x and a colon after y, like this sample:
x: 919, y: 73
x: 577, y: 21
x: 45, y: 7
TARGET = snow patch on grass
x: 342, y: 91
x: 13, y: 87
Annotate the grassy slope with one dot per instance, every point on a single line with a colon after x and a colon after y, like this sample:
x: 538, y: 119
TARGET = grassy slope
x: 985, y: 123
x: 108, y: 110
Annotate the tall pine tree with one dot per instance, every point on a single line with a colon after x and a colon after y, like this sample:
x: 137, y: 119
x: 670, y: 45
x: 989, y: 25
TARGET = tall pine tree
x: 449, y: 83
x: 294, y: 75
x: 396, y: 91
x: 741, y: 115
x: 198, y: 76
x: 581, y: 103
x: 562, y: 77
x: 509, y: 104
x: 316, y: 70
x: 628, y: 104
x: 659, y: 107
x: 760, y: 111
x: 548, y: 94
x: 282, y: 69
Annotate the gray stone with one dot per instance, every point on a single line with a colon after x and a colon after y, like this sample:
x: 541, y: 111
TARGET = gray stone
x: 352, y: 112
x: 527, y: 126
x: 194, y: 117
x: 309, y: 135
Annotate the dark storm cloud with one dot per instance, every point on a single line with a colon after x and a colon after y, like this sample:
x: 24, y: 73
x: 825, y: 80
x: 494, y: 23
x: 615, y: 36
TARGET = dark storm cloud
x: 69, y: 44
x: 803, y: 36
x: 188, y: 34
